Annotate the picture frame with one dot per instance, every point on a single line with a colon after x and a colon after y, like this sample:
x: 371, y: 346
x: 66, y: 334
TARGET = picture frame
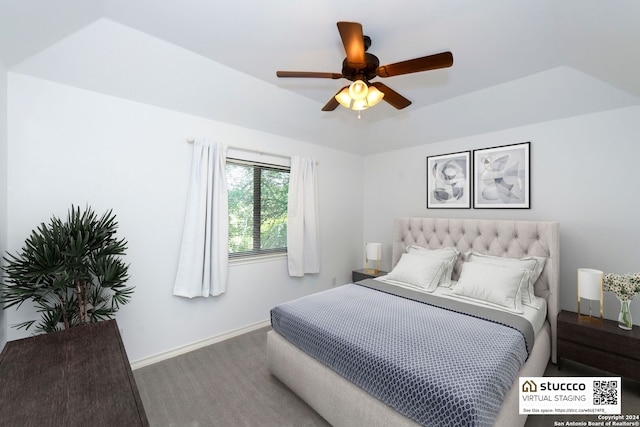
x: 449, y: 181
x: 501, y: 177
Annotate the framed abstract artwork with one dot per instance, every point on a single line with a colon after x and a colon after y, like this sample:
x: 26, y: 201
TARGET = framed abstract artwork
x: 501, y: 177
x: 449, y: 181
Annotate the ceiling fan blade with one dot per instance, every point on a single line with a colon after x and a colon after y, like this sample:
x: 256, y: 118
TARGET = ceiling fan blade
x: 333, y: 102
x: 426, y: 63
x: 308, y: 74
x: 353, y: 41
x: 391, y: 96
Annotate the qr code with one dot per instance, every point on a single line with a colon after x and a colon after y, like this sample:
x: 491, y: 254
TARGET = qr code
x: 605, y: 392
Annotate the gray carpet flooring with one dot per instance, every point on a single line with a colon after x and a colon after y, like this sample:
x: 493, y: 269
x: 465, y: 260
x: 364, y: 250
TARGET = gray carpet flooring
x: 228, y: 384
x: 224, y: 384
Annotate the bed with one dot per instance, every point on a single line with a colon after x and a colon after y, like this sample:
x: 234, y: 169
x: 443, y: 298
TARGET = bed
x: 347, y: 399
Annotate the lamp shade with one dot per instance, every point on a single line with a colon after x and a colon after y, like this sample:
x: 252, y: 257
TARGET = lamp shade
x: 358, y: 90
x: 374, y: 96
x: 359, y: 104
x: 343, y: 98
x: 374, y: 251
x: 589, y: 283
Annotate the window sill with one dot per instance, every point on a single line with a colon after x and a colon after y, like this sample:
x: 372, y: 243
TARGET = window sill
x: 256, y: 259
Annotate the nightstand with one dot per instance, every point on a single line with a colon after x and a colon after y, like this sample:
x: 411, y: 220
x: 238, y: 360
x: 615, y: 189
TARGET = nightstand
x: 600, y: 345
x: 363, y: 273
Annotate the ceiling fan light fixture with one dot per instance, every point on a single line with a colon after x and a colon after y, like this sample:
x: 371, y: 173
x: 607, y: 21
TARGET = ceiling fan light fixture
x: 343, y: 98
x: 374, y: 96
x: 358, y: 90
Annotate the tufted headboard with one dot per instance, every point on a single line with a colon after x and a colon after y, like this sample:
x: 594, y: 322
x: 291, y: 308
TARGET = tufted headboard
x: 507, y: 238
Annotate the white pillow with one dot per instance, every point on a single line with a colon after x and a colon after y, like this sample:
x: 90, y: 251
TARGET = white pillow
x: 418, y: 271
x: 448, y: 255
x: 492, y: 284
x: 535, y: 264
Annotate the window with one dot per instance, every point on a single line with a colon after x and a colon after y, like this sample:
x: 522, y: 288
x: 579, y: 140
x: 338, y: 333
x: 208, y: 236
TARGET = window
x: 257, y: 208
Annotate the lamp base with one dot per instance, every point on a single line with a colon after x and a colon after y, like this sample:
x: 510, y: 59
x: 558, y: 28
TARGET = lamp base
x: 587, y: 318
x: 374, y: 271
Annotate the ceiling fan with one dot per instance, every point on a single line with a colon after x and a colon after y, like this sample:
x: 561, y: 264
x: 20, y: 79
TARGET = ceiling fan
x: 361, y: 67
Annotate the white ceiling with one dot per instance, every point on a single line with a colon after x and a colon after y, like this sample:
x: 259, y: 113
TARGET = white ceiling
x: 515, y: 62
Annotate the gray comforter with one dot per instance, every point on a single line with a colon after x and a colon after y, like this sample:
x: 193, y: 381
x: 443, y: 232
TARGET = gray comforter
x: 435, y: 365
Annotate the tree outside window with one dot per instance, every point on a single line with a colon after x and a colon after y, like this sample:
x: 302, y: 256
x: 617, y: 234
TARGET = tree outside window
x: 257, y: 208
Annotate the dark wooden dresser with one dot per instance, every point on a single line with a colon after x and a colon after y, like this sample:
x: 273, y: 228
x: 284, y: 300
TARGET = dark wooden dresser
x: 77, y: 377
x: 601, y: 345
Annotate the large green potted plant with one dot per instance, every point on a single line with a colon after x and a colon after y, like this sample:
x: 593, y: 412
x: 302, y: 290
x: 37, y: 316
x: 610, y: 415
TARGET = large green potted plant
x: 72, y: 271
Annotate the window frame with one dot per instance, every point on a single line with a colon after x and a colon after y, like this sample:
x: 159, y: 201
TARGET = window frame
x: 259, y: 254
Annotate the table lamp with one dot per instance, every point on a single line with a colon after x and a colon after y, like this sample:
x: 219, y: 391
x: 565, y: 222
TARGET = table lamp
x: 590, y: 288
x: 373, y: 252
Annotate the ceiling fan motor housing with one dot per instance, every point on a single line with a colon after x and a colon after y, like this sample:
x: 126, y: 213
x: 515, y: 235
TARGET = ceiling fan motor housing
x: 365, y: 73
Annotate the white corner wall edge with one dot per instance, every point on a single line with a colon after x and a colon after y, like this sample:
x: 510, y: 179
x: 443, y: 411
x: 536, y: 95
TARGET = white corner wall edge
x: 198, y: 344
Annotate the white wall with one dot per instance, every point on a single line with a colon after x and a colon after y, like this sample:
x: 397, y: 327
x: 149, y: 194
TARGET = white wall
x: 3, y: 185
x: 584, y: 174
x: 68, y: 145
x: 71, y: 146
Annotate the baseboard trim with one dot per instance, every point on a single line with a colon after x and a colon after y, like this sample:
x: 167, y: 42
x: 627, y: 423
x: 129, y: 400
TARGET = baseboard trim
x: 198, y: 344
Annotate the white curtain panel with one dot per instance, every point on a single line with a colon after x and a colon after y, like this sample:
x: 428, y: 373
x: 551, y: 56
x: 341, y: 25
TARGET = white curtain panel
x: 204, y: 254
x: 302, y: 223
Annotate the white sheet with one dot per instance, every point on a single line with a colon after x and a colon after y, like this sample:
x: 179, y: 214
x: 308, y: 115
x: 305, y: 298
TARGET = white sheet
x: 535, y: 316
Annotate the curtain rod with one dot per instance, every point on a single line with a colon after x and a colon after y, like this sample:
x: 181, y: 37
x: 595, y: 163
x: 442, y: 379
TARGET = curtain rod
x: 262, y: 153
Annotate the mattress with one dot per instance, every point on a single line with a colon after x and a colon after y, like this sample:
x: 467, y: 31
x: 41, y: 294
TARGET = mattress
x: 437, y: 366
